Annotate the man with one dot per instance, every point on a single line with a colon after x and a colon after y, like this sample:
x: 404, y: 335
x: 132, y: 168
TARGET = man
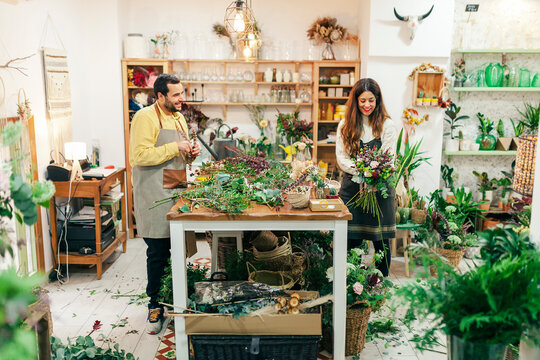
x: 159, y: 147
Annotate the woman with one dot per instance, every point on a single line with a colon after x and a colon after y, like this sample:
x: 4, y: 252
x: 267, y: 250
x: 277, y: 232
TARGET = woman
x: 367, y: 123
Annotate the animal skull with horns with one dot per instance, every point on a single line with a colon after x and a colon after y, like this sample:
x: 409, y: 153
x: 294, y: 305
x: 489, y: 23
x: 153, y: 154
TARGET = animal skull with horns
x: 413, y: 21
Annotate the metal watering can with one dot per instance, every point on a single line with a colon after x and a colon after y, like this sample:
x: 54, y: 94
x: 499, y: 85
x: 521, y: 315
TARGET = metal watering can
x: 224, y: 147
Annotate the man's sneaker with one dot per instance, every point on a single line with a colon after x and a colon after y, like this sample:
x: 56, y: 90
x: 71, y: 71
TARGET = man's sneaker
x: 155, y: 321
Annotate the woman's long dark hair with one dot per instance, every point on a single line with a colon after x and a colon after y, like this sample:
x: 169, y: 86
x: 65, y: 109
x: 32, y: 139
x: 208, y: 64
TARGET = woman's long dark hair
x: 351, y: 132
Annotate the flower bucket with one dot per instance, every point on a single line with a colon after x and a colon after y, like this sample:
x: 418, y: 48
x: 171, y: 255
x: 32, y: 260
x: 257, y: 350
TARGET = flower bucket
x: 458, y: 349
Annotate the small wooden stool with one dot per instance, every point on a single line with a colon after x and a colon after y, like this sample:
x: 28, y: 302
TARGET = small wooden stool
x: 406, y: 235
x: 224, y: 234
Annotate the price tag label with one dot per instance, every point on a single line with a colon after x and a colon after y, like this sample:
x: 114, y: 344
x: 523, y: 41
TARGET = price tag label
x: 472, y: 7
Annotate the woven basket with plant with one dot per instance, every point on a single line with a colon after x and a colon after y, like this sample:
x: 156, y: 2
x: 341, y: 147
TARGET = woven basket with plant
x: 277, y: 279
x: 299, y: 197
x: 365, y: 289
x: 526, y: 156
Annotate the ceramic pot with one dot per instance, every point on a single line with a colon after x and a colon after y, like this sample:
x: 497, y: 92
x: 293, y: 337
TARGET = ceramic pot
x: 494, y: 75
x: 268, y: 75
x: 465, y: 144
x: 475, y: 147
x: 452, y: 145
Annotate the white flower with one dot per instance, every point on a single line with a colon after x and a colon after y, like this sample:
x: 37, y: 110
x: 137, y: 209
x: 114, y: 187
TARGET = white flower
x: 243, y: 137
x: 330, y: 274
x: 266, y: 142
x: 454, y: 239
x: 358, y: 251
x: 450, y: 209
x: 452, y: 226
x: 374, y: 164
x: 367, y: 174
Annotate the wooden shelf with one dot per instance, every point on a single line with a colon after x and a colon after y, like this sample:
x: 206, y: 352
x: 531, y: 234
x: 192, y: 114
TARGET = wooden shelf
x: 328, y: 122
x: 481, y: 153
x: 325, y: 144
x: 496, y: 51
x: 495, y: 89
x: 234, y: 61
x: 333, y: 98
x: 241, y: 104
x: 141, y: 87
x: 334, y: 85
x: 245, y: 83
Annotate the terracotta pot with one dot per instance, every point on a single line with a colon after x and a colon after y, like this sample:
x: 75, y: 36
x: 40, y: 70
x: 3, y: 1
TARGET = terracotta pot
x: 451, y: 198
x: 484, y: 205
x: 489, y: 223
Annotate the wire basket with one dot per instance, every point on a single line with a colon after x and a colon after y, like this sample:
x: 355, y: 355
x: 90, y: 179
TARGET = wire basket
x: 525, y: 163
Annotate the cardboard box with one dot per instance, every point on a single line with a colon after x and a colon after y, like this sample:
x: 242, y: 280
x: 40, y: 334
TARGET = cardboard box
x: 275, y: 324
x: 344, y: 79
x: 326, y: 204
x: 285, y: 324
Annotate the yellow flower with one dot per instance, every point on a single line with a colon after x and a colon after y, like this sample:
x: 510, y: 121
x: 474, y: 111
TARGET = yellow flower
x: 263, y: 123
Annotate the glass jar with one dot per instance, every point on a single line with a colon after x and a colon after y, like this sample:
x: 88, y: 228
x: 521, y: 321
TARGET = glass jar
x: 305, y: 96
x: 486, y: 141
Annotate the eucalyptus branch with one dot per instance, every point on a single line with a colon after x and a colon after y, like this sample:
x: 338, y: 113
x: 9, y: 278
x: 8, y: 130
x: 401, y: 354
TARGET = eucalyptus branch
x: 10, y: 64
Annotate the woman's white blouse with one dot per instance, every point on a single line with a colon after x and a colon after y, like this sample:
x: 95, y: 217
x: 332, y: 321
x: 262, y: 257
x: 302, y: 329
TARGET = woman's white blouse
x: 388, y: 139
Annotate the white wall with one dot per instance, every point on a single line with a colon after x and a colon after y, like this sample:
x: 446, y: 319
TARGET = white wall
x: 391, y: 56
x: 89, y: 32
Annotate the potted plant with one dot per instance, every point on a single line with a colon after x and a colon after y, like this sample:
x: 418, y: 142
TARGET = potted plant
x: 366, y: 289
x: 417, y: 204
x: 482, y: 310
x: 459, y: 72
x: 452, y: 119
x: 464, y: 144
x: 448, y: 176
x: 485, y: 139
x: 518, y: 130
x: 504, y: 184
x: 485, y: 189
x: 503, y: 143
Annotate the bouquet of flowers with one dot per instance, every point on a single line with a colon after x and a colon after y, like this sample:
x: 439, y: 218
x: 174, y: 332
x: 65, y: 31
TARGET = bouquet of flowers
x: 292, y: 127
x: 366, y: 286
x: 327, y: 30
x: 375, y: 170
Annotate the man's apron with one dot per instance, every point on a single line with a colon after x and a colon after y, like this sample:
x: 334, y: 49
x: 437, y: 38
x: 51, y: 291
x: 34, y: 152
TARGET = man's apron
x: 148, y: 187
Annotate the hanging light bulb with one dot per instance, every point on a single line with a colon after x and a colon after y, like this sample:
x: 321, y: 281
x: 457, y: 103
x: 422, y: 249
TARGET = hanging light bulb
x: 239, y: 17
x: 247, y: 52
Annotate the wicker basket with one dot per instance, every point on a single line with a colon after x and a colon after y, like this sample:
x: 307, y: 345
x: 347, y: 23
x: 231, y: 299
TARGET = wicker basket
x: 357, y: 324
x: 452, y: 257
x: 418, y: 216
x: 283, y: 249
x: 277, y: 279
x: 299, y: 199
x: 265, y: 241
x: 227, y: 245
x: 525, y: 164
x: 332, y: 184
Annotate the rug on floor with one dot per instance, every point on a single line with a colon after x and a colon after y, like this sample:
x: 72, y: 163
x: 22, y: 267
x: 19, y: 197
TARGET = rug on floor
x: 167, y: 347
x: 206, y: 262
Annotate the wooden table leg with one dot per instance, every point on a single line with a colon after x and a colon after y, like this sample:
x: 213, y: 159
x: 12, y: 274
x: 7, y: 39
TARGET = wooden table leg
x: 99, y: 268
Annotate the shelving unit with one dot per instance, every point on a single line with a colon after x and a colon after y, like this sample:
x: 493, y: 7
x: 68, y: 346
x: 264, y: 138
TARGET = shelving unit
x: 495, y: 89
x: 481, y: 153
x: 496, y: 51
x: 162, y: 66
x: 321, y: 127
x: 93, y: 189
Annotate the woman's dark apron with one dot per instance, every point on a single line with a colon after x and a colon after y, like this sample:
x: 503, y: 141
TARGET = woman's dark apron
x: 365, y: 226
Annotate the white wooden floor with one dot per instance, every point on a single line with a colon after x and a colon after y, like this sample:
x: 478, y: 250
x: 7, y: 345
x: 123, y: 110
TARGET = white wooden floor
x: 78, y: 303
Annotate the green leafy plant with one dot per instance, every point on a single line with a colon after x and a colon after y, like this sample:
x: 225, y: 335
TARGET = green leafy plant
x: 505, y: 185
x: 492, y: 303
x: 84, y: 348
x: 500, y: 243
x: 530, y: 117
x: 486, y: 125
x: 235, y: 265
x: 194, y: 273
x: 500, y: 128
x: 484, y: 183
x: 452, y: 118
x: 447, y: 176
x: 518, y: 128
x: 408, y: 160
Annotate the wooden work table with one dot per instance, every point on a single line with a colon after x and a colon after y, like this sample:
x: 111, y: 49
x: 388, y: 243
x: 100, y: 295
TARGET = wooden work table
x: 259, y: 217
x: 90, y: 189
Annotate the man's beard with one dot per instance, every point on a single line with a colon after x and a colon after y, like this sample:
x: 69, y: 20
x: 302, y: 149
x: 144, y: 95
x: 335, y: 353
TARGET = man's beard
x: 169, y: 106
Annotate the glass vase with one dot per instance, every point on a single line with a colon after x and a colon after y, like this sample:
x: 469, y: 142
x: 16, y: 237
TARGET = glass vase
x: 486, y: 141
x: 328, y: 52
x: 458, y: 349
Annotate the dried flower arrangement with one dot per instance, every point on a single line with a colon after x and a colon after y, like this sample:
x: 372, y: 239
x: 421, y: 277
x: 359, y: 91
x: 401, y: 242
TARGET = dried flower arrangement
x: 327, y: 30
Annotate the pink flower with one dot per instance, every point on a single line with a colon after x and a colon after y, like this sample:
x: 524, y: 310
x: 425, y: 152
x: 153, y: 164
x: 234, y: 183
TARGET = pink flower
x: 358, y: 288
x: 367, y: 174
x: 374, y: 164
